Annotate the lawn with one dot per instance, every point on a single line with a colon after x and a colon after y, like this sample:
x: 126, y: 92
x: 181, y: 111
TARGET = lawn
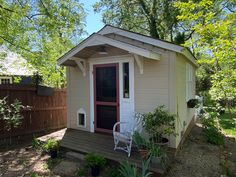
x: 228, y: 123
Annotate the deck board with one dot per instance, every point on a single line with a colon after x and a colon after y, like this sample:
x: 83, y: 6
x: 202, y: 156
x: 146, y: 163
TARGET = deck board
x: 86, y: 142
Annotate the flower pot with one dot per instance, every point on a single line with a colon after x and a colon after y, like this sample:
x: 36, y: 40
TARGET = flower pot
x: 95, y: 170
x: 53, y: 153
x: 163, y: 143
x: 143, y: 153
x: 192, y: 103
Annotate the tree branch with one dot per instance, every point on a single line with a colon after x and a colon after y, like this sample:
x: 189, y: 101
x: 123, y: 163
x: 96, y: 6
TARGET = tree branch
x: 9, y: 10
x: 11, y: 43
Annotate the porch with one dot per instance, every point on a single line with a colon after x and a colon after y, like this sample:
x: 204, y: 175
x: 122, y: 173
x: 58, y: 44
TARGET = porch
x: 85, y: 142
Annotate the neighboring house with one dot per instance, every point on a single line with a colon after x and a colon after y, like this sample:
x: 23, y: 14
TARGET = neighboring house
x: 14, y: 68
x: 114, y: 73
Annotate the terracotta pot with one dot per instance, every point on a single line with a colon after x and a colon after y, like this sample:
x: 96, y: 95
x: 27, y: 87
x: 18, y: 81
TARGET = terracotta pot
x: 143, y: 153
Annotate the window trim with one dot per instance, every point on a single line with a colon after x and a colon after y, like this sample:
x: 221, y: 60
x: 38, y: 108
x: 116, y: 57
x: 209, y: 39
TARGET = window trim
x: 189, y: 82
x: 123, y: 81
x: 5, y: 77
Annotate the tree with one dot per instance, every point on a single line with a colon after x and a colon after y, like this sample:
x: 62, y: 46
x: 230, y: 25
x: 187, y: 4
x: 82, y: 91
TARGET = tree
x: 214, y: 41
x: 41, y: 31
x: 157, y: 18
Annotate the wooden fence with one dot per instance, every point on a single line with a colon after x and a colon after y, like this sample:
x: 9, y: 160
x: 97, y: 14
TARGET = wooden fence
x: 46, y: 113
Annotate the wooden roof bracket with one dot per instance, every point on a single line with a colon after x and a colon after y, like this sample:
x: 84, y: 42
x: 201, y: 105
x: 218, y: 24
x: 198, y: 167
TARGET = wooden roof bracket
x: 139, y: 61
x: 81, y: 63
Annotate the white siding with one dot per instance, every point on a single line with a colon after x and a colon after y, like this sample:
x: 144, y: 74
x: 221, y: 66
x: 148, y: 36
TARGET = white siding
x: 78, y: 96
x: 184, y: 114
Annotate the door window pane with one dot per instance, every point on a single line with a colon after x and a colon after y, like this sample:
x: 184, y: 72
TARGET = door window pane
x: 106, y: 84
x: 126, y: 80
x: 106, y: 116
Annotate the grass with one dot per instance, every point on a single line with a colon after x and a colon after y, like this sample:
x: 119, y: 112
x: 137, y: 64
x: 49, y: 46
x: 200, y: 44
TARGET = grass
x: 228, y: 124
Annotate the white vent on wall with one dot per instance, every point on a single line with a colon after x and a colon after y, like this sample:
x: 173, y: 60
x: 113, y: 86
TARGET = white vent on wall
x: 81, y: 118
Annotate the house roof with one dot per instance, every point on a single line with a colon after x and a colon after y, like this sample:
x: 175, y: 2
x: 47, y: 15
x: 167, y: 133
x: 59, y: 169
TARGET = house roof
x: 101, y: 38
x: 13, y: 64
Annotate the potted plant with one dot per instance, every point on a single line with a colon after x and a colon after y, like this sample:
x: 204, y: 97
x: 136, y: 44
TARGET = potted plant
x: 159, y: 123
x: 52, y: 147
x: 157, y: 154
x: 141, y: 144
x: 192, y: 103
x: 95, y: 162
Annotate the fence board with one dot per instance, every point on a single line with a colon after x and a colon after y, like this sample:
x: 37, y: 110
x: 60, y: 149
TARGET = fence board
x: 47, y: 112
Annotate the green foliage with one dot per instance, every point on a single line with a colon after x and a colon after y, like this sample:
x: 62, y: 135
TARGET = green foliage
x: 113, y: 172
x: 51, y: 144
x: 93, y: 160
x: 81, y: 172
x: 159, y: 123
x: 214, y: 26
x: 42, y: 31
x: 211, y: 126
x: 228, y: 124
x: 157, y: 18
x: 128, y: 170
x: 140, y: 142
x: 36, y: 143
x: 34, y: 175
x: 10, y: 113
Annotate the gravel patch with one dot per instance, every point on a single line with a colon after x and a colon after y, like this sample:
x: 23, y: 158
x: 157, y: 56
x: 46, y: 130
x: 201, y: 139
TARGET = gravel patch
x: 197, y: 158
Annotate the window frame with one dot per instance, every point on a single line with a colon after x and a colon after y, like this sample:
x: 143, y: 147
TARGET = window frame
x: 123, y: 80
x: 6, y: 77
x: 189, y: 82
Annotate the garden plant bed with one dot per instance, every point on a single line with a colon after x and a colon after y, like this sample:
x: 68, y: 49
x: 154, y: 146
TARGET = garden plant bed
x: 196, y: 158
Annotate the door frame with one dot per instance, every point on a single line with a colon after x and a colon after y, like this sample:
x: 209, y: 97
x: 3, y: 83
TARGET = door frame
x: 117, y: 103
x: 124, y: 116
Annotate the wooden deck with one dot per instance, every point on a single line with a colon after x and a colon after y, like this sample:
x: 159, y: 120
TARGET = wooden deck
x: 86, y: 142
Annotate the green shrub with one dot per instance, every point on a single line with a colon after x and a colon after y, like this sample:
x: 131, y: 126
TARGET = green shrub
x: 93, y: 160
x: 214, y: 136
x: 211, y: 126
x: 113, y: 172
x: 51, y: 144
x: 36, y: 143
x: 158, y: 123
x: 81, y: 172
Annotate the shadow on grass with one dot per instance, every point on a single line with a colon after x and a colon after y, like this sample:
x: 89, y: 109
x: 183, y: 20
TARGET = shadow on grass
x: 228, y: 123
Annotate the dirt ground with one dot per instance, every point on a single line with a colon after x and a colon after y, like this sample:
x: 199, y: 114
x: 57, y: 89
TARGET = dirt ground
x: 197, y: 158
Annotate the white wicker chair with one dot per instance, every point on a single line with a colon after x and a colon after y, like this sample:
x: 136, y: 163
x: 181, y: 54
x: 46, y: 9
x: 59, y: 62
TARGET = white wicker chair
x: 123, y: 140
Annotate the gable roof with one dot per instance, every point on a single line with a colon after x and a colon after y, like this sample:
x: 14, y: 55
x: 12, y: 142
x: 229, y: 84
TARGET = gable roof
x: 99, y: 38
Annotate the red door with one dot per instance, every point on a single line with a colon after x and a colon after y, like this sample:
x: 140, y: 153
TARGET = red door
x: 106, y: 96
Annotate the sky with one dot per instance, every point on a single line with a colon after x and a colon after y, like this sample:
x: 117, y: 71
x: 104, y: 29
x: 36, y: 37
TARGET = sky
x: 93, y: 21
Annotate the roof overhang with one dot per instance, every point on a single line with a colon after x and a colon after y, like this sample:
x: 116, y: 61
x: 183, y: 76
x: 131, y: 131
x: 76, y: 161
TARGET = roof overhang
x: 98, y: 39
x: 155, y: 42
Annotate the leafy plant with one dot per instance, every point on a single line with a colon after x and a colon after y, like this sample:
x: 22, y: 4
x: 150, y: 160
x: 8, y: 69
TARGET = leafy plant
x: 159, y: 123
x: 50, y: 145
x: 95, y: 160
x: 140, y: 141
x: 81, y: 172
x: 211, y: 126
x: 113, y: 172
x: 36, y: 143
x: 128, y: 170
x: 10, y: 114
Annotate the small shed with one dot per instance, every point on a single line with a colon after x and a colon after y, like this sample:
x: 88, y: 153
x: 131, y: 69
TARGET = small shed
x: 114, y: 73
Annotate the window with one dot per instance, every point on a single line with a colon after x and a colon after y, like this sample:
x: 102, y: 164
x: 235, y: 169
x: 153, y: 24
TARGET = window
x: 81, y: 118
x: 5, y: 80
x: 189, y: 82
x: 126, y: 80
